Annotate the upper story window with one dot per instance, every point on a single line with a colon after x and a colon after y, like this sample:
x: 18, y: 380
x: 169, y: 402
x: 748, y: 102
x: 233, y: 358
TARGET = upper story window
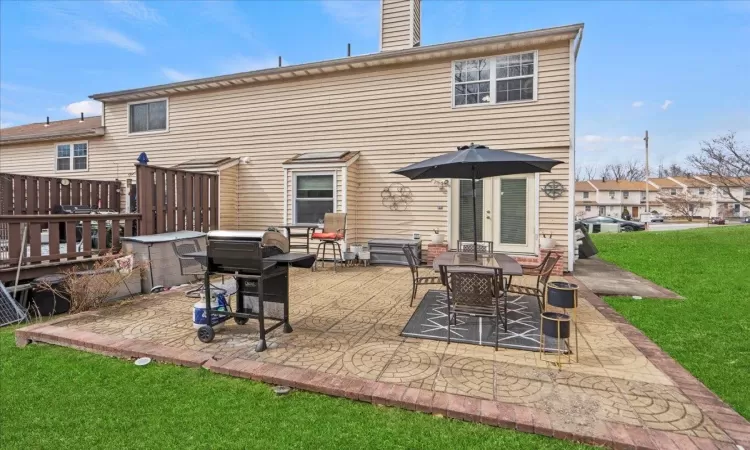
x: 625, y: 194
x: 72, y: 156
x: 747, y: 192
x: 611, y: 194
x: 673, y: 191
x: 313, y: 196
x: 585, y: 195
x: 643, y: 196
x: 148, y: 116
x: 494, y: 80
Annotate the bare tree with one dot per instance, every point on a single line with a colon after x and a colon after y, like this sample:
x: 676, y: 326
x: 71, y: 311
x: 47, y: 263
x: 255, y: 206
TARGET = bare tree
x: 671, y: 170
x: 683, y: 203
x: 629, y: 171
x: 586, y: 172
x: 727, y: 162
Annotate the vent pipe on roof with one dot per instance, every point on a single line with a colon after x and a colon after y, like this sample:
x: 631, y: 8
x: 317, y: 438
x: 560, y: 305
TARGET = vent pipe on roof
x: 81, y: 118
x: 279, y: 61
x: 47, y: 124
x: 349, y: 49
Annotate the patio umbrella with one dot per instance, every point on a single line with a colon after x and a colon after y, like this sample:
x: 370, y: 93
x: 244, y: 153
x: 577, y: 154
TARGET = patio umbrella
x: 475, y: 162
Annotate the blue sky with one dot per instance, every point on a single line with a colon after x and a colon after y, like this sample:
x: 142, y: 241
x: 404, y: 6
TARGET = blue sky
x: 680, y: 70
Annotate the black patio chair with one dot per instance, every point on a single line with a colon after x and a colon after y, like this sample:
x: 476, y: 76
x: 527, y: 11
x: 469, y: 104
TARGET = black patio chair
x: 476, y: 293
x: 468, y: 246
x: 542, y: 272
x: 189, y: 265
x: 417, y: 280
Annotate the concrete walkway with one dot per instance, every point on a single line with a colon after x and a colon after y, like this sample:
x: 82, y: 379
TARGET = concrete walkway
x: 605, y: 278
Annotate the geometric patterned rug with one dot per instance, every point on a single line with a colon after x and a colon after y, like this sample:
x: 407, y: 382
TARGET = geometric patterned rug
x: 430, y: 321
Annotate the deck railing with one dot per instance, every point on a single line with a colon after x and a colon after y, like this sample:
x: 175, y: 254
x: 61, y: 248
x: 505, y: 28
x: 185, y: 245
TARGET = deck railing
x: 62, y: 237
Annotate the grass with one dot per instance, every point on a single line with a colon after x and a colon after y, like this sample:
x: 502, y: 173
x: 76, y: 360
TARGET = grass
x: 58, y: 397
x: 708, y: 332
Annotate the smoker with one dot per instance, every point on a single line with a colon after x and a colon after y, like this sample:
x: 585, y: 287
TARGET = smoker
x: 260, y: 263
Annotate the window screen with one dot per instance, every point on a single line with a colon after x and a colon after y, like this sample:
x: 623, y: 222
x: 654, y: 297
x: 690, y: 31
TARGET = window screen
x: 150, y: 116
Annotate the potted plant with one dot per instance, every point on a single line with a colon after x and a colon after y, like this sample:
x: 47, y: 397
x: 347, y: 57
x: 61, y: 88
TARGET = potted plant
x: 546, y: 242
x: 437, y: 237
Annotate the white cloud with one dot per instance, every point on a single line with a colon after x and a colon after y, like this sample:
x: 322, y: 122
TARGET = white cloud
x: 666, y: 104
x: 630, y: 138
x: 87, y: 107
x: 594, y: 138
x: 176, y: 75
x: 136, y: 10
x: 360, y: 15
x: 637, y: 104
x: 97, y: 34
x: 239, y: 63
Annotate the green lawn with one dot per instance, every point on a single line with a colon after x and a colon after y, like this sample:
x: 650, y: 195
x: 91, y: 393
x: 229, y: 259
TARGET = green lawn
x: 709, y: 332
x: 53, y: 397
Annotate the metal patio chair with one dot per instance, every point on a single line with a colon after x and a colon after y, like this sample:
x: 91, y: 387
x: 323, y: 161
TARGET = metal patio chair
x: 468, y: 246
x: 476, y: 293
x: 417, y: 280
x: 334, y: 231
x: 542, y: 272
x: 189, y: 265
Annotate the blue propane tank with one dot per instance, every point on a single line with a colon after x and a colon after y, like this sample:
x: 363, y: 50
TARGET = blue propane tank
x: 218, y: 303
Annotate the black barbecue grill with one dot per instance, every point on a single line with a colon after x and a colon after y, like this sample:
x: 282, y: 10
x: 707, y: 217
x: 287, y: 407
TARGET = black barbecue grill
x: 260, y: 263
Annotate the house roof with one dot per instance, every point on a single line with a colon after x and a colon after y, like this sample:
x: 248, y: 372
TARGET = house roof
x: 691, y: 182
x: 332, y: 157
x: 584, y: 186
x: 455, y: 50
x: 738, y: 182
x: 664, y: 183
x: 619, y: 185
x: 58, y: 129
x: 216, y: 164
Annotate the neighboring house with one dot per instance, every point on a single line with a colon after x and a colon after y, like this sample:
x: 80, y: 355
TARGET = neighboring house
x: 608, y: 198
x: 611, y: 197
x: 326, y: 135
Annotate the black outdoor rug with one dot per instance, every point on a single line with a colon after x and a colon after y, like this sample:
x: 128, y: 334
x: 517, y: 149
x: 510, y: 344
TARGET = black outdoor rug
x: 430, y: 321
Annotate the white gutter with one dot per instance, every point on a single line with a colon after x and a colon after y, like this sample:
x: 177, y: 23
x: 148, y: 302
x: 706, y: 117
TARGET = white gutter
x: 575, y: 44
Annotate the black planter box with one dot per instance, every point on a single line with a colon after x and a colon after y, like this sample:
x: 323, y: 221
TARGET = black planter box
x: 562, y: 294
x: 550, y: 321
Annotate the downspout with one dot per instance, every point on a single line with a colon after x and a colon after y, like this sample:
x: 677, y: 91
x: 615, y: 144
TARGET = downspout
x: 575, y: 45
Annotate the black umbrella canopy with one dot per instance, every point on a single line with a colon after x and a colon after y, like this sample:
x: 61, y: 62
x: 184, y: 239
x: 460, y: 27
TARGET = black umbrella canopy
x: 477, y: 161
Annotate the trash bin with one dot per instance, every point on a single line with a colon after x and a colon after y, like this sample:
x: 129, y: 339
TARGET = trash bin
x: 45, y: 302
x: 587, y: 249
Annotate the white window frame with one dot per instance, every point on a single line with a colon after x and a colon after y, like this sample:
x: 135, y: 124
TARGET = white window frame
x: 587, y: 208
x: 673, y: 191
x: 141, y: 102
x: 297, y: 173
x: 71, y: 157
x: 625, y: 195
x: 493, y: 80
x: 612, y: 195
x: 585, y: 194
x: 701, y: 191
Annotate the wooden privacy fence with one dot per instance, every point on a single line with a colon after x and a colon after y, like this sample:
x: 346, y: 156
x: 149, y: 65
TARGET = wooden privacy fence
x: 62, y: 237
x: 26, y: 194
x: 173, y: 200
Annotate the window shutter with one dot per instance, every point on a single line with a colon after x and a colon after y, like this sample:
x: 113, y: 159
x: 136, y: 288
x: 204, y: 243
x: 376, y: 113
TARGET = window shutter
x: 465, y: 224
x: 513, y: 211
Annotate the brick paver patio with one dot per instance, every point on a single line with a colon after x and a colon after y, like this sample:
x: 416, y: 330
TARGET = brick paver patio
x: 624, y: 391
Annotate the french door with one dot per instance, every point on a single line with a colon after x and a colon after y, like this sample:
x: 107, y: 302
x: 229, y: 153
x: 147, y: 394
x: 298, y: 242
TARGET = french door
x: 505, y: 215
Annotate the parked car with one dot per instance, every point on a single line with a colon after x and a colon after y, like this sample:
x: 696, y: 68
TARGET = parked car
x: 717, y: 221
x: 746, y: 219
x: 626, y: 225
x: 656, y: 218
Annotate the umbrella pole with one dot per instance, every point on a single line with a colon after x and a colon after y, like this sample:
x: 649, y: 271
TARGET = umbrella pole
x: 474, y: 205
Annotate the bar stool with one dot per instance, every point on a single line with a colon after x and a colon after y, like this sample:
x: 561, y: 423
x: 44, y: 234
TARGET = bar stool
x: 334, y: 231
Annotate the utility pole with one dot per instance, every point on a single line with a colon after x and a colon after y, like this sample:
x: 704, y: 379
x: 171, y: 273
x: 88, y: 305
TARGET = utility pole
x: 648, y: 210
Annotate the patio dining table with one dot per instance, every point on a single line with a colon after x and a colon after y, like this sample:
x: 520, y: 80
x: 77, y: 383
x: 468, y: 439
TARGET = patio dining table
x: 502, y: 261
x: 308, y: 227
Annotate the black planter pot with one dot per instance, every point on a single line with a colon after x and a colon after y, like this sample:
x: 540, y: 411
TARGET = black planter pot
x: 550, y: 321
x: 562, y: 294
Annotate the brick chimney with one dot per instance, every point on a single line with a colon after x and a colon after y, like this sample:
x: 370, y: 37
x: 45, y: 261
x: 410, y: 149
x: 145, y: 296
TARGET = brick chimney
x: 400, y: 22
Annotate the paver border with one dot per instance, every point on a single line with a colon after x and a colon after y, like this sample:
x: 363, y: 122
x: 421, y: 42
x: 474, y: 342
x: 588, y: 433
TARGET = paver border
x: 459, y: 407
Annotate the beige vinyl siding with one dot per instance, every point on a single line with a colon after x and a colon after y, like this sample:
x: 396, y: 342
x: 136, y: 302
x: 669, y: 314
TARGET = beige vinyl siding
x: 396, y: 24
x: 228, y: 198
x: 393, y: 116
x: 352, y: 197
